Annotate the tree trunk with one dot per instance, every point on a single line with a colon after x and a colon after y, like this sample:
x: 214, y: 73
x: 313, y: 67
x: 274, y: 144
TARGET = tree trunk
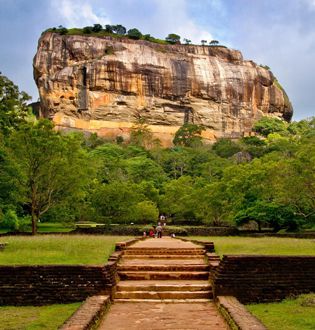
x: 34, y: 215
x: 34, y: 223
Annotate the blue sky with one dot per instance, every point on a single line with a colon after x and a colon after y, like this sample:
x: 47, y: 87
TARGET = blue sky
x: 278, y: 33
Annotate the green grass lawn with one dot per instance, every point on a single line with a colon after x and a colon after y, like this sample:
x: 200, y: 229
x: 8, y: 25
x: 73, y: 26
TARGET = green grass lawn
x: 51, y: 227
x: 47, y: 227
x: 31, y: 318
x: 57, y: 249
x: 261, y: 245
x: 290, y: 314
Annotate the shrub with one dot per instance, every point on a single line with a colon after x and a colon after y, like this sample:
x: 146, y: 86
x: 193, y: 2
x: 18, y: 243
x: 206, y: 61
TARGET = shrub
x: 87, y: 30
x: 97, y: 28
x: 10, y: 220
x: 134, y: 34
x: 173, y: 38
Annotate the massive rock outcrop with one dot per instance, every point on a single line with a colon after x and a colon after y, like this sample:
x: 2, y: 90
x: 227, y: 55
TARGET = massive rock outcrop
x: 105, y: 85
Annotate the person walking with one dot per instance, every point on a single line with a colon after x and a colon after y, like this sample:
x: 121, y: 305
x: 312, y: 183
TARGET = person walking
x: 159, y: 231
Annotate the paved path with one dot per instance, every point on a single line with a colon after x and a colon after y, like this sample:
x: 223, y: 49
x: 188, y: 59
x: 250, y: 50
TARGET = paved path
x: 172, y: 316
x: 164, y: 286
x: 165, y: 242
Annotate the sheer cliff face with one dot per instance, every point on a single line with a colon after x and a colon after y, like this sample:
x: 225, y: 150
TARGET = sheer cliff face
x: 105, y: 85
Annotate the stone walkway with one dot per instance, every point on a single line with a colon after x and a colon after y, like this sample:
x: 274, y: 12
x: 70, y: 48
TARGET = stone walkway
x: 164, y: 285
x: 154, y: 316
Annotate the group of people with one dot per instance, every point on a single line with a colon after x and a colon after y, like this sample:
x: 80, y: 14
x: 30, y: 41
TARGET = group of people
x: 157, y: 231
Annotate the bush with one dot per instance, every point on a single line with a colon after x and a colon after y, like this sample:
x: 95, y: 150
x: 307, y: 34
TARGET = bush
x: 134, y: 34
x: 12, y: 222
x: 87, y: 30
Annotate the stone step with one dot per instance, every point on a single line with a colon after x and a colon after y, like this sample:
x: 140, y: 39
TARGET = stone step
x: 170, y: 301
x: 161, y: 256
x: 163, y: 275
x: 174, y: 261
x: 164, y: 251
x: 163, y: 295
x: 189, y: 285
x: 163, y: 268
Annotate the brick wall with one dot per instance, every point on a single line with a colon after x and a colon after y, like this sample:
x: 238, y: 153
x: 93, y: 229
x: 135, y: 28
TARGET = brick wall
x: 263, y: 278
x: 39, y: 285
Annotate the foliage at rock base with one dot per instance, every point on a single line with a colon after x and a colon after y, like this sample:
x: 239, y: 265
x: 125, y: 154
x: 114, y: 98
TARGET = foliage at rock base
x: 48, y: 175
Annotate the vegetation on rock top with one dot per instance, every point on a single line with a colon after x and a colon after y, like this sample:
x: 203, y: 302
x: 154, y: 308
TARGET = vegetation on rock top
x: 119, y: 31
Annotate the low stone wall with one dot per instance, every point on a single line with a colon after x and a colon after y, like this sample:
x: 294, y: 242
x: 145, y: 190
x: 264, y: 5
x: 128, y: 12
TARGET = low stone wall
x: 40, y: 285
x: 137, y: 230
x: 88, y: 315
x: 307, y: 235
x: 236, y: 314
x: 43, y: 285
x: 208, y: 246
x: 263, y: 278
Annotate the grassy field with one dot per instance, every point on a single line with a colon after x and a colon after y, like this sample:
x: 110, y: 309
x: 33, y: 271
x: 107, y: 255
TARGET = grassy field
x: 47, y: 227
x: 31, y: 318
x: 261, y: 245
x: 57, y: 249
x: 290, y: 314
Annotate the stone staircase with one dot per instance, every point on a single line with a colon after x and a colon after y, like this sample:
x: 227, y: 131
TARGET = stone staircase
x: 166, y: 274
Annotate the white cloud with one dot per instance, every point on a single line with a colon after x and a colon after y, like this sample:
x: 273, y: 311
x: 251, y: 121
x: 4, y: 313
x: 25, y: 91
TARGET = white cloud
x: 173, y: 17
x: 78, y: 13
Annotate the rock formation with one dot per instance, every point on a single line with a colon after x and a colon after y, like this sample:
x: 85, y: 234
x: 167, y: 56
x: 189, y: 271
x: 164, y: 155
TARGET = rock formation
x: 106, y: 84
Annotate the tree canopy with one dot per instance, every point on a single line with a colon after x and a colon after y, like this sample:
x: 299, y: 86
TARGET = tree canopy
x: 173, y: 38
x: 13, y: 105
x: 47, y: 175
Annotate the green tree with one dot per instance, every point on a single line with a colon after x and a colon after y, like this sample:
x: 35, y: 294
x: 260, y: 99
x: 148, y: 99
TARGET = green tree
x: 177, y: 200
x: 87, y: 29
x: 141, y: 135
x: 119, y: 29
x: 134, y: 34
x: 109, y: 28
x: 51, y: 167
x: 173, y: 38
x: 213, y: 42
x: 13, y: 105
x: 187, y: 41
x: 212, y: 204
x: 115, y: 201
x: 188, y: 135
x: 144, y: 169
x: 97, y: 28
x: 144, y: 212
x: 295, y: 182
x: 203, y: 42
x: 267, y: 125
x: 225, y: 148
x: 175, y: 161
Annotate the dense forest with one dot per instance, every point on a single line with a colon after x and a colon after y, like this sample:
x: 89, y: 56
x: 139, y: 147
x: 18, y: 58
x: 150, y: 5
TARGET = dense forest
x: 46, y: 175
